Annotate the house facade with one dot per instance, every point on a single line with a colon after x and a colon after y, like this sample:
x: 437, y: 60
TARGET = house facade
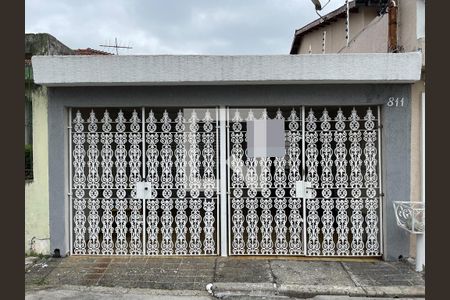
x: 228, y: 155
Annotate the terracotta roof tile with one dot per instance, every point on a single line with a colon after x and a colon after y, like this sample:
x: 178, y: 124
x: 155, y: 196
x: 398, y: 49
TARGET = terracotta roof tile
x: 90, y: 51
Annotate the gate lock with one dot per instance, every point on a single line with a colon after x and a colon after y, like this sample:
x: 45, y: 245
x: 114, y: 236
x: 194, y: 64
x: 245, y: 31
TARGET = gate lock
x: 303, y: 189
x: 143, y: 190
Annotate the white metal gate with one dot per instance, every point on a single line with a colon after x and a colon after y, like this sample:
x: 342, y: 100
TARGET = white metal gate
x: 111, y: 150
x: 336, y: 149
x: 177, y: 151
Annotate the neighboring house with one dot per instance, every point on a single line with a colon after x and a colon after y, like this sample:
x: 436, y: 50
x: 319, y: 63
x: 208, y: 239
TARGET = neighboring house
x: 36, y: 142
x: 180, y: 155
x: 378, y: 27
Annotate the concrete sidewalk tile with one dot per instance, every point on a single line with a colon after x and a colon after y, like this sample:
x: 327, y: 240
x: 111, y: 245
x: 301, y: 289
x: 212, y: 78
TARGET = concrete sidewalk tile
x: 232, y: 276
x: 186, y: 286
x: 188, y: 272
x: 240, y: 270
x: 204, y: 281
x: 120, y: 260
x: 161, y: 285
x: 310, y: 273
x: 103, y: 260
x: 138, y: 261
x: 382, y: 274
x: 185, y: 279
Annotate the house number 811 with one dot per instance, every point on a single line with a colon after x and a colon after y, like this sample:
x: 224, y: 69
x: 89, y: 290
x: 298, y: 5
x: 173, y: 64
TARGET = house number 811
x: 395, y: 102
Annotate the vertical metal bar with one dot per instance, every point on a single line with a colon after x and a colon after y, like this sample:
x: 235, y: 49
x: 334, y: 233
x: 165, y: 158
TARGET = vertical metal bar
x: 223, y: 183
x: 70, y: 182
x: 380, y: 204
x: 218, y: 188
x: 144, y: 222
x: 347, y: 22
x: 227, y: 162
x: 304, y: 179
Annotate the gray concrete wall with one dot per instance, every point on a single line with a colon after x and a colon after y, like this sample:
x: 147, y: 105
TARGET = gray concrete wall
x: 396, y: 133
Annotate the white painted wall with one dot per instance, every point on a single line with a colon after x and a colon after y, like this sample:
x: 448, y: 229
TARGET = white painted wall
x: 420, y: 25
x: 204, y: 69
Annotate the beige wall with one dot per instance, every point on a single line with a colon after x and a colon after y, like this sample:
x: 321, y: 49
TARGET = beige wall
x: 368, y: 32
x: 36, y: 190
x: 416, y: 118
x: 372, y: 39
x: 407, y: 34
x: 335, y: 37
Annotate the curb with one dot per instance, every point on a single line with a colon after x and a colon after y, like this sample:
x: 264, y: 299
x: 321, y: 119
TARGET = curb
x: 223, y: 290
x: 117, y: 290
x: 394, y: 291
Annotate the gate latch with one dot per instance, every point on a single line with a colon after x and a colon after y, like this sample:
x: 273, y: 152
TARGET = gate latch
x: 143, y: 190
x: 303, y: 189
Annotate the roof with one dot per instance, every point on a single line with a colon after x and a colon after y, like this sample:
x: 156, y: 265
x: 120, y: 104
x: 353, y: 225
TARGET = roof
x: 90, y: 51
x: 330, y: 18
x: 159, y: 70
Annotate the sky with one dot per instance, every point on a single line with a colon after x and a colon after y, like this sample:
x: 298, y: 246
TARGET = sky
x: 227, y: 27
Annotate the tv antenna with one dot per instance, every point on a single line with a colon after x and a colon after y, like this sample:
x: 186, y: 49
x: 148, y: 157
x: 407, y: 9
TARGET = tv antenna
x: 116, y: 46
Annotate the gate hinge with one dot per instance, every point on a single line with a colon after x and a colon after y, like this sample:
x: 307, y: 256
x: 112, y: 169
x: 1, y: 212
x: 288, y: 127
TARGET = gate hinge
x: 380, y: 126
x: 382, y: 195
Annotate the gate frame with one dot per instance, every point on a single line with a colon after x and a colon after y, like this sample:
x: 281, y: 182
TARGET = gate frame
x: 218, y: 129
x: 303, y: 170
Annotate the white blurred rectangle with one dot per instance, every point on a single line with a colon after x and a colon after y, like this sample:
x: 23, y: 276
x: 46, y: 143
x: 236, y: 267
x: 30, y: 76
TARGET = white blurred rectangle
x: 265, y: 138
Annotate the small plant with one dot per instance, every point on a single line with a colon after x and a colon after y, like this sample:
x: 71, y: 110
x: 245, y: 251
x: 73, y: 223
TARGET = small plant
x: 39, y: 255
x: 28, y: 161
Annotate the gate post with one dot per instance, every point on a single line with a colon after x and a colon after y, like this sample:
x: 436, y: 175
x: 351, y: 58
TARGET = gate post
x: 223, y: 182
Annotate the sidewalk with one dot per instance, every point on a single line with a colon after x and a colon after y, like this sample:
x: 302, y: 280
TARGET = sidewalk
x: 229, y: 277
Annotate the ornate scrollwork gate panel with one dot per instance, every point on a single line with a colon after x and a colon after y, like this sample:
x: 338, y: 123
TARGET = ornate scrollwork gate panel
x: 175, y: 150
x: 264, y: 215
x: 337, y: 150
x: 342, y: 163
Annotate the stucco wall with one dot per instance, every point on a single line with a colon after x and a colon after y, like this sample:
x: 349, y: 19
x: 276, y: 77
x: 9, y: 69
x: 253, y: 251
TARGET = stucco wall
x: 372, y: 39
x: 407, y: 29
x: 335, y: 36
x: 395, y: 133
x: 36, y: 190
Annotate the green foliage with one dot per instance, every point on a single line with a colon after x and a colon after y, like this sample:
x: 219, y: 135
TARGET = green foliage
x: 40, y: 255
x: 28, y: 161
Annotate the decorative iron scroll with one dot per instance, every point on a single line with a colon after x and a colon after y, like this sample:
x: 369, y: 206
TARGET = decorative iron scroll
x: 341, y: 162
x: 266, y: 218
x: 180, y: 162
x: 343, y: 217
